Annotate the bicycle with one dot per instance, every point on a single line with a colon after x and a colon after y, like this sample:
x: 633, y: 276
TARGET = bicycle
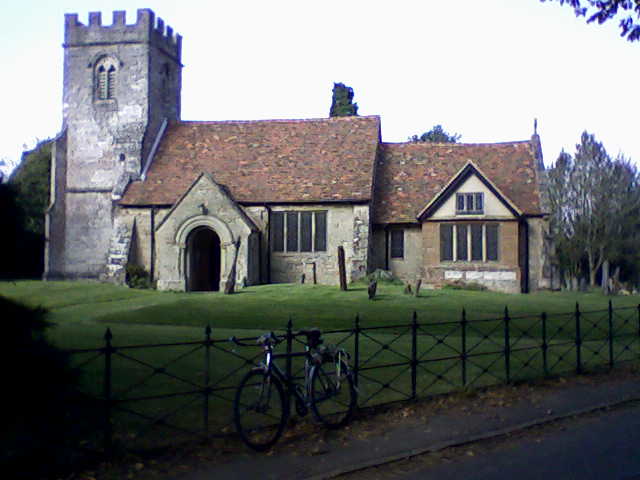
x: 262, y: 402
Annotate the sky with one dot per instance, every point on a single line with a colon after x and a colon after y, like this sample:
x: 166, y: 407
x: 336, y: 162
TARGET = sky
x: 482, y: 69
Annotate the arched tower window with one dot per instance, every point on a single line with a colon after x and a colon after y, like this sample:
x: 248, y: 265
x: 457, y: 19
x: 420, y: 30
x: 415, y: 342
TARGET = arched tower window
x: 105, y: 78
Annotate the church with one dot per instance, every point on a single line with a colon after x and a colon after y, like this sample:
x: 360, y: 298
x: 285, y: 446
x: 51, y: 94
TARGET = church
x: 269, y: 201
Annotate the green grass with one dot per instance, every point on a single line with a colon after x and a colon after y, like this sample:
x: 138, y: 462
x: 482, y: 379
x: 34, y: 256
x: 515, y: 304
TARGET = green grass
x: 81, y: 312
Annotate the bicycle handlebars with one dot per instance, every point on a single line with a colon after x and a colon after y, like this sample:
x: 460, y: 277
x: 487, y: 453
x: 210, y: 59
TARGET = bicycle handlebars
x: 313, y: 338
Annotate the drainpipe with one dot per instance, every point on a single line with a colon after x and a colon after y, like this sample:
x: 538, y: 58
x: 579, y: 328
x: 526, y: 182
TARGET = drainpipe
x: 386, y: 247
x: 525, y: 246
x: 152, y: 268
x: 268, y: 253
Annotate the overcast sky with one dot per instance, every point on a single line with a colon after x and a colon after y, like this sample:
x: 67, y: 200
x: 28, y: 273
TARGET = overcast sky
x: 483, y: 69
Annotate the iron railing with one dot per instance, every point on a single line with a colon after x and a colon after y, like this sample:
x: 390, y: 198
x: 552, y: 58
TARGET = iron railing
x: 186, y: 389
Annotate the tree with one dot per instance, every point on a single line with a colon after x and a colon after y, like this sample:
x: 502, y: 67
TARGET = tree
x: 342, y: 102
x: 595, y: 209
x: 43, y: 419
x: 602, y: 11
x: 31, y: 179
x: 568, y: 247
x: 436, y: 135
x: 23, y: 201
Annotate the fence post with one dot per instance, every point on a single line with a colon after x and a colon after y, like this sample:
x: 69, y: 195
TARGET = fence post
x: 414, y: 354
x: 108, y: 427
x: 356, y: 350
x: 463, y: 356
x: 507, y: 346
x: 578, y: 341
x: 610, y: 334
x: 545, y: 346
x: 207, y: 375
x: 289, y: 347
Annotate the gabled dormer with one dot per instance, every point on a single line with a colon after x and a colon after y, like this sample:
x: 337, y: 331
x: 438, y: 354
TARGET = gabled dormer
x: 469, y: 195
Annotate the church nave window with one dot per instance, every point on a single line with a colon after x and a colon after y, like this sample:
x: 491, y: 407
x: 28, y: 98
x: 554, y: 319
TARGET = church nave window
x: 105, y: 79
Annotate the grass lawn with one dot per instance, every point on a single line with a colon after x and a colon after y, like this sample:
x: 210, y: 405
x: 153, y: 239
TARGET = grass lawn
x: 81, y: 312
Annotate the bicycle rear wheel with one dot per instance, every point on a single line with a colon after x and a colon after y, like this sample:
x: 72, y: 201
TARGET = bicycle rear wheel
x: 332, y: 394
x: 260, y: 409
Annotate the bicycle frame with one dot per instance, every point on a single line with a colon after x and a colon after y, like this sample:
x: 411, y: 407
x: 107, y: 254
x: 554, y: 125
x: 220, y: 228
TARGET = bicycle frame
x: 287, y: 380
x: 325, y: 370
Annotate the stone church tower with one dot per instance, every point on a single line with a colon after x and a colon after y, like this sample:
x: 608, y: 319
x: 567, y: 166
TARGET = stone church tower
x: 121, y: 88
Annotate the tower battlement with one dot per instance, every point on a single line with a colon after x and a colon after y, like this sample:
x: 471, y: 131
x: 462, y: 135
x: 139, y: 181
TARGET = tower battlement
x: 147, y: 29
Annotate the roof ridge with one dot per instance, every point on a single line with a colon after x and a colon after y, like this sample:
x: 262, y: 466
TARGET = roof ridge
x: 279, y: 120
x: 448, y: 144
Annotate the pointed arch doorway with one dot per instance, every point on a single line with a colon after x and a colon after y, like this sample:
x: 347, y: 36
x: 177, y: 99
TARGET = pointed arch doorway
x: 203, y: 260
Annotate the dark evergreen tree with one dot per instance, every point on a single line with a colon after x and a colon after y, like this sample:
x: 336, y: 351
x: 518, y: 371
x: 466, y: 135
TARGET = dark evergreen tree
x: 602, y: 11
x: 342, y: 102
x: 31, y: 180
x: 23, y: 202
x: 436, y: 135
x: 44, y: 421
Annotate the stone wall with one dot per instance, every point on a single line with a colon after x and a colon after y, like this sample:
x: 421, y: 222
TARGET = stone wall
x: 502, y: 276
x: 411, y: 267
x: 206, y: 204
x: 55, y: 222
x: 260, y: 217
x: 108, y: 138
x: 347, y: 226
x: 540, y: 255
x: 88, y: 234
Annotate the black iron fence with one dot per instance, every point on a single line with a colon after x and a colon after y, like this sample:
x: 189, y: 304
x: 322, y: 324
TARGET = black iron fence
x: 158, y: 394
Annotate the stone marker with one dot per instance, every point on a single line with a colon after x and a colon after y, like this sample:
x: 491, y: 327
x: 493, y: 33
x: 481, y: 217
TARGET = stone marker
x: 373, y: 286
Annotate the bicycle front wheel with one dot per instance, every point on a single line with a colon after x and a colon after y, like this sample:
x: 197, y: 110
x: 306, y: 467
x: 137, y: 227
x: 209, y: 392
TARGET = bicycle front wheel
x: 332, y: 394
x: 260, y: 409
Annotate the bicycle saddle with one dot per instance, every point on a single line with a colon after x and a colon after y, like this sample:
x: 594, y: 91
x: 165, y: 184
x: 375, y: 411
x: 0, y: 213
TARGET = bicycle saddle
x: 313, y: 336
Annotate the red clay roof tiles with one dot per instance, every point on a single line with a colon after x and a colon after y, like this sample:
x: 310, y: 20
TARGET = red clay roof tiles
x: 325, y: 160
x: 409, y: 175
x: 265, y: 161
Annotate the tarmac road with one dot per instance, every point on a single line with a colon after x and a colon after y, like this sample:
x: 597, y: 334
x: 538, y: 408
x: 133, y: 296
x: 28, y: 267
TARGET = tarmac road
x: 603, y: 445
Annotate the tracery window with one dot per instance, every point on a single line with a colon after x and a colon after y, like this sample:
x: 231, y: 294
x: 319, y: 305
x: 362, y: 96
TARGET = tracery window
x: 105, y: 79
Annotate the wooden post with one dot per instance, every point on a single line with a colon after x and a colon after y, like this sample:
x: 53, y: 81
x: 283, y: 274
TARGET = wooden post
x: 418, y: 285
x: 341, y: 269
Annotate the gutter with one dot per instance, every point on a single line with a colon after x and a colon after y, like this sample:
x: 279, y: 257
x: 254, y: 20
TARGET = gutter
x: 154, y: 149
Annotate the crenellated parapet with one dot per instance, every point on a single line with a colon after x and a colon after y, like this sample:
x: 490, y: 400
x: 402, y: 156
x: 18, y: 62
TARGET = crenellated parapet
x: 147, y: 29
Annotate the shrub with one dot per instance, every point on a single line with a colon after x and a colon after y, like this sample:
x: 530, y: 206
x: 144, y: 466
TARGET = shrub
x: 384, y: 276
x: 138, y: 277
x: 42, y: 422
x: 460, y: 285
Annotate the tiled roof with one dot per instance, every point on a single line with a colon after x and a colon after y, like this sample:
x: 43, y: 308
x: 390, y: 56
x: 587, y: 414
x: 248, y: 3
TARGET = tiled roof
x: 410, y: 175
x: 265, y: 161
